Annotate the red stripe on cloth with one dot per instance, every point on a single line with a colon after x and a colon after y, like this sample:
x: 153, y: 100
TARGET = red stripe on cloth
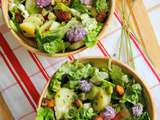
x: 134, y: 40
x: 71, y: 57
x: 102, y: 50
x: 18, y: 81
x: 144, y: 56
x: 19, y: 69
x: 40, y: 66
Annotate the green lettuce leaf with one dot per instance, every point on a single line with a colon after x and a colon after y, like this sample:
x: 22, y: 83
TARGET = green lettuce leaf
x: 91, y: 38
x: 132, y: 94
x: 116, y: 75
x: 80, y: 114
x: 76, y: 4
x: 144, y: 116
x: 54, y: 46
x: 45, y: 114
x: 101, y: 5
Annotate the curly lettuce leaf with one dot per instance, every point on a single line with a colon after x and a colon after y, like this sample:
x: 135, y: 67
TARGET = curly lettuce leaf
x: 132, y: 94
x: 74, y: 71
x: 91, y: 38
x: 45, y: 114
x: 101, y: 5
x: 98, y: 76
x: 116, y: 74
x: 76, y: 4
x: 80, y: 114
x: 54, y: 46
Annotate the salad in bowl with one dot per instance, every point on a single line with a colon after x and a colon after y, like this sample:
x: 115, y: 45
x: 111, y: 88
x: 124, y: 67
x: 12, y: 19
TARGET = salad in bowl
x: 57, y: 27
x: 95, y: 89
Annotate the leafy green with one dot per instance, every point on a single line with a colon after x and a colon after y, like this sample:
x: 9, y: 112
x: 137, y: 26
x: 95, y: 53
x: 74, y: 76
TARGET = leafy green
x: 32, y: 7
x: 55, y: 46
x: 45, y: 114
x: 116, y: 75
x: 101, y: 5
x: 52, y: 41
x: 144, y: 116
x: 18, y: 1
x: 108, y: 86
x: 91, y: 38
x: 57, y: 33
x: 80, y: 114
x: 75, y: 72
x: 98, y: 76
x: 132, y: 94
x: 61, y: 6
x: 76, y: 4
x: 54, y: 85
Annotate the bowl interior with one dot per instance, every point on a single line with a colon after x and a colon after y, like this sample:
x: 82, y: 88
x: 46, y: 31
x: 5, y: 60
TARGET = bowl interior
x: 102, y: 62
x: 30, y: 44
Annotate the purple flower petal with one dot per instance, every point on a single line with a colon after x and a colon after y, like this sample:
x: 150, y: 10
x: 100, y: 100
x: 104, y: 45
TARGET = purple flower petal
x: 43, y: 3
x: 85, y: 86
x: 76, y: 34
x: 109, y: 113
x: 137, y: 109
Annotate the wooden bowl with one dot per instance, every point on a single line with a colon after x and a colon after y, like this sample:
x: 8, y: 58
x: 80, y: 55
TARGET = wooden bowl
x: 30, y: 44
x: 102, y: 62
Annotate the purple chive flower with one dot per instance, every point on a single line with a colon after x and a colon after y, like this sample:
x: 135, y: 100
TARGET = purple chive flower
x: 137, y: 109
x: 85, y: 86
x: 76, y: 34
x: 109, y: 113
x: 86, y: 2
x: 43, y: 3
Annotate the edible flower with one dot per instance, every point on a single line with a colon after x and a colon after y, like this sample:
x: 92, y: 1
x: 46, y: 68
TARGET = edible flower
x: 109, y: 113
x: 85, y: 86
x: 76, y: 34
x: 137, y: 109
x: 43, y: 3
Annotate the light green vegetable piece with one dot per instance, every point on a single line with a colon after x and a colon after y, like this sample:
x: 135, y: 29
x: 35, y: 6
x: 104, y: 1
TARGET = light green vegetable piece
x: 54, y: 25
x: 45, y: 114
x: 101, y: 100
x: 55, y: 46
x: 61, y: 6
x: 88, y: 22
x: 45, y: 26
x: 101, y: 5
x: 63, y: 100
x: 36, y: 19
x: 77, y: 45
x: 13, y: 25
x: 98, y: 77
x: 32, y: 7
x: 92, y: 93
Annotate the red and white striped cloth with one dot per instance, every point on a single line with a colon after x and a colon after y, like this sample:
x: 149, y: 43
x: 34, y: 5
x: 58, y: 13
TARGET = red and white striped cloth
x: 24, y: 74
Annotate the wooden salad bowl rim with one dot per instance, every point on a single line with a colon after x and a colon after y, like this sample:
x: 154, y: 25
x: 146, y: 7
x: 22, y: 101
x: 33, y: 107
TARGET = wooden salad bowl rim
x: 127, y: 69
x: 21, y: 39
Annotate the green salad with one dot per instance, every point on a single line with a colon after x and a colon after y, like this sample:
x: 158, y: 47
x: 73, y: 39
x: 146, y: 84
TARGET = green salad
x: 81, y: 91
x: 59, y: 26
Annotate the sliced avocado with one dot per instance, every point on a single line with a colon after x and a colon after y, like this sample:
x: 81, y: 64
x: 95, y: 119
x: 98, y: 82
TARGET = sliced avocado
x: 101, y: 100
x: 77, y: 45
x: 93, y: 92
x: 32, y: 7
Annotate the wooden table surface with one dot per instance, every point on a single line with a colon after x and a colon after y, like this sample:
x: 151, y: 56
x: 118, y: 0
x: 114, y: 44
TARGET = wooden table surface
x: 5, y: 113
